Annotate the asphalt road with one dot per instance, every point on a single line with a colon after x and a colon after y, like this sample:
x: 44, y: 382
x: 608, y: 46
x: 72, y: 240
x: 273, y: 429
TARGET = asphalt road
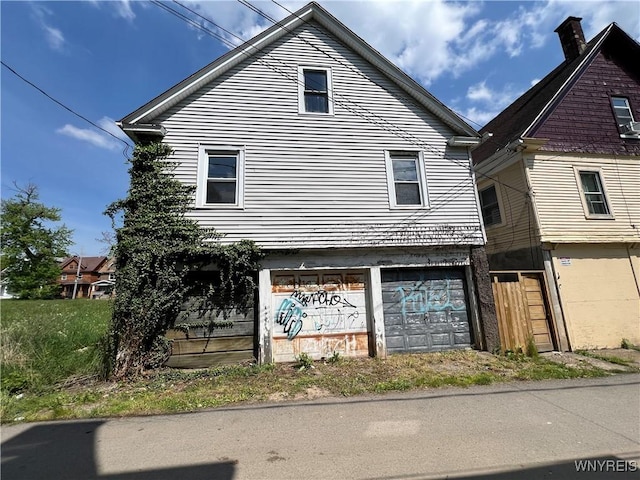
x: 525, y: 430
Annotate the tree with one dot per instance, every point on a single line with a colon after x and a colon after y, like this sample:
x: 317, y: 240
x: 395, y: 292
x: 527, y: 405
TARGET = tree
x: 31, y: 244
x: 157, y: 246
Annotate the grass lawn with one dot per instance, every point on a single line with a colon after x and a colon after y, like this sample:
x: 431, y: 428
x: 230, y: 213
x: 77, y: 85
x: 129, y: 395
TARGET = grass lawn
x: 51, y: 366
x: 46, y: 342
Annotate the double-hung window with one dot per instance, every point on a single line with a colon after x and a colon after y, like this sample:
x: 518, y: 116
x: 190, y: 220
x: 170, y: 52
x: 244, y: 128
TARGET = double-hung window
x: 594, y: 197
x: 220, y: 176
x: 622, y: 111
x: 406, y: 179
x: 315, y: 90
x: 490, y: 206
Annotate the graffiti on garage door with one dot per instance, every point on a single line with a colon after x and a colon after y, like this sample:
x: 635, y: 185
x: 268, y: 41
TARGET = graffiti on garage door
x: 319, y: 303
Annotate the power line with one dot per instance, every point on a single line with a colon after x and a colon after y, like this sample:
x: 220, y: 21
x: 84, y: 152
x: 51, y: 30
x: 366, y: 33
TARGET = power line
x: 368, y: 116
x: 69, y: 109
x: 369, y: 119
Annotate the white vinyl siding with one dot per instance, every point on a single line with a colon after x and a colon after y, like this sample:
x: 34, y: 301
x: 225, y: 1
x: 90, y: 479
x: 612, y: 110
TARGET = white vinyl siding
x: 316, y: 181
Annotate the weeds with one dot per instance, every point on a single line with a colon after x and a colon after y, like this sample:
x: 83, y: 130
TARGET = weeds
x: 46, y: 341
x: 304, y: 361
x: 334, y: 358
x: 627, y: 345
x: 605, y: 358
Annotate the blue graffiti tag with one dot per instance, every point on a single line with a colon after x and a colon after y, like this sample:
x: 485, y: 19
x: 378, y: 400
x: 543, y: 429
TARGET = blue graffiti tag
x: 423, y: 299
x: 290, y: 315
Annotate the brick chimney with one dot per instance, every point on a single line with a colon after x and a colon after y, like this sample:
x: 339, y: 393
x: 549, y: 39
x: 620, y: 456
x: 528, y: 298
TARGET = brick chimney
x: 571, y: 38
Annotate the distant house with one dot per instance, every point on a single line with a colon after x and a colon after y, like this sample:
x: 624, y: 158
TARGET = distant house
x: 559, y: 186
x: 82, y: 274
x: 354, y: 180
x: 104, y: 287
x: 4, y: 287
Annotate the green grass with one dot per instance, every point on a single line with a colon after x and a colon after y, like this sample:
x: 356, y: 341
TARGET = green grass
x: 606, y: 358
x: 45, y: 342
x: 51, y: 362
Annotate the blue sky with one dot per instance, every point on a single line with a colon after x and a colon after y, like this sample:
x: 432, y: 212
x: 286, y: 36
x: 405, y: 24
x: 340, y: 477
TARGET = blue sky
x: 105, y: 59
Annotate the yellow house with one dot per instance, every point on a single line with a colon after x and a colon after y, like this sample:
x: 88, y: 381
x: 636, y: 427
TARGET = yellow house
x: 559, y: 187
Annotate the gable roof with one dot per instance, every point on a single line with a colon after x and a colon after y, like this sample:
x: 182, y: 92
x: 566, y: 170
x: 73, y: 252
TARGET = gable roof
x: 88, y: 264
x: 527, y: 113
x: 145, y: 115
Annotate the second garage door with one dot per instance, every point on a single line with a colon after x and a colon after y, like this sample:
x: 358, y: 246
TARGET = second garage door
x: 425, y: 310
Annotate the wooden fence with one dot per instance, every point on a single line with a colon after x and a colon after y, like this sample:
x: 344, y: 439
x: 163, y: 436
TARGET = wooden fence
x: 522, y: 309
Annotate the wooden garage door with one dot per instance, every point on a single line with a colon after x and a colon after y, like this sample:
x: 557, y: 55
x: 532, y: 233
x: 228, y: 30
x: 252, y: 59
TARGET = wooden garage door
x: 319, y: 313
x: 425, y: 310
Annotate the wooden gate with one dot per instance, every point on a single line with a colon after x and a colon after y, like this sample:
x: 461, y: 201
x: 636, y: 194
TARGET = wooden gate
x: 522, y: 309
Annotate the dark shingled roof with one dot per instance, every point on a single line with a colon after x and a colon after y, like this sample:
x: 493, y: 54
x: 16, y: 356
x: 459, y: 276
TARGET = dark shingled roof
x: 89, y: 264
x: 512, y: 122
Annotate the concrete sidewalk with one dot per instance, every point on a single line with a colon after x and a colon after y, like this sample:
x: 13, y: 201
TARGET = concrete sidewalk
x: 514, y: 430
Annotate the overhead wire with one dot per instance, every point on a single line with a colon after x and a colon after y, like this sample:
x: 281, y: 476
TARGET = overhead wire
x: 398, y: 131
x: 338, y: 100
x: 69, y: 109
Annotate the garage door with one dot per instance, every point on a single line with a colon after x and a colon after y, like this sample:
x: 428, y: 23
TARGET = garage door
x: 425, y: 310
x: 319, y: 313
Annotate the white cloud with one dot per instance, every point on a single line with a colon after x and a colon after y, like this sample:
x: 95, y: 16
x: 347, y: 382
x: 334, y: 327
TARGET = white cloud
x: 484, y: 102
x: 109, y: 124
x: 88, y: 135
x: 432, y: 39
x: 124, y: 10
x: 54, y: 36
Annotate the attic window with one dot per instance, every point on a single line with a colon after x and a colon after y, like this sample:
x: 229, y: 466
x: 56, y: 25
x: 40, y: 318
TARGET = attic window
x: 622, y: 111
x: 315, y: 90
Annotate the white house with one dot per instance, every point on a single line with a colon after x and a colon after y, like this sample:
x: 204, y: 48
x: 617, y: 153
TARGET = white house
x: 354, y: 179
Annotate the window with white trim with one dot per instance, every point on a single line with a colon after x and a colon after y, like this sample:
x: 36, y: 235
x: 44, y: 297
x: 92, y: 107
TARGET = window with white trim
x: 622, y: 111
x: 220, y: 176
x: 593, y: 193
x: 63, y: 276
x: 490, y: 206
x: 315, y: 90
x: 406, y: 179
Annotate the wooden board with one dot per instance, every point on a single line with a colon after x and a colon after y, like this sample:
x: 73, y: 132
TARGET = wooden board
x: 205, y: 360
x: 210, y: 345
x: 236, y: 330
